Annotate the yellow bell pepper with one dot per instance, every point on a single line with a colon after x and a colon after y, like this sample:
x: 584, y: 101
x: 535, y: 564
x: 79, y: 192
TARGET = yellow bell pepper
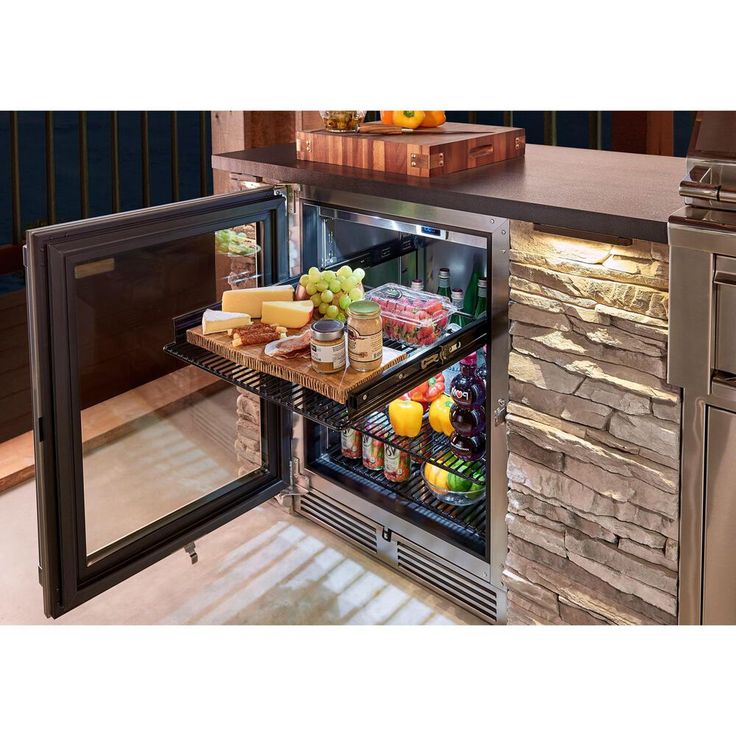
x: 433, y: 119
x: 406, y: 417
x: 439, y: 414
x: 408, y: 118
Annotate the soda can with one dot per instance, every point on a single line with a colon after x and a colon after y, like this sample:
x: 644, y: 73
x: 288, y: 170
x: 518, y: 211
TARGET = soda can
x: 396, y: 464
x: 350, y: 444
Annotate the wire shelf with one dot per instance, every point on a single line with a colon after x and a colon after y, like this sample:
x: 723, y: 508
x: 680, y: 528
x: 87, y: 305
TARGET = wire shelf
x: 427, y: 446
x: 467, y: 523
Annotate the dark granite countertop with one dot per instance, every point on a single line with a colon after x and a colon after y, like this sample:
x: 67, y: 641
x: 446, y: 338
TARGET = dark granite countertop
x: 624, y: 194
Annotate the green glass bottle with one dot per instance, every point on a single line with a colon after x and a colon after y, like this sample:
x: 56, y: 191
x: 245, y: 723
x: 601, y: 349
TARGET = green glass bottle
x: 443, y: 283
x: 480, y: 305
x: 457, y: 302
x: 471, y: 294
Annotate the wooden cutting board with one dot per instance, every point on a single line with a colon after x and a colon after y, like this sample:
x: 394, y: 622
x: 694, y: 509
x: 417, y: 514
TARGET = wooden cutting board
x: 425, y: 154
x: 336, y: 386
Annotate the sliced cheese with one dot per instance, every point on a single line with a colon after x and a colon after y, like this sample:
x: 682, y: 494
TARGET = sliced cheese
x: 250, y: 300
x: 288, y: 314
x: 215, y: 321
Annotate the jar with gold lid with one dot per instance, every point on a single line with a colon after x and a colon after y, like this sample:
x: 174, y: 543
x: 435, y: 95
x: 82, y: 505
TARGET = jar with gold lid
x: 365, y: 335
x: 327, y: 346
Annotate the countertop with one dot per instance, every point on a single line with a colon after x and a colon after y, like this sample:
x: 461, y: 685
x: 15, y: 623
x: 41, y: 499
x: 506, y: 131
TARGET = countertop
x: 625, y: 194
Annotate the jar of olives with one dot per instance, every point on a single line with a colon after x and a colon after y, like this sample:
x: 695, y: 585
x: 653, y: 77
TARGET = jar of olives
x: 342, y: 121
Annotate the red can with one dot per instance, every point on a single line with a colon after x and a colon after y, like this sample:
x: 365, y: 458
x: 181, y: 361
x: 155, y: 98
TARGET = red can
x: 396, y: 464
x: 350, y: 444
x: 372, y: 453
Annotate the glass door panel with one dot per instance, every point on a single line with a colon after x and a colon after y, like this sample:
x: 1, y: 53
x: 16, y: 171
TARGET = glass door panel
x: 137, y: 453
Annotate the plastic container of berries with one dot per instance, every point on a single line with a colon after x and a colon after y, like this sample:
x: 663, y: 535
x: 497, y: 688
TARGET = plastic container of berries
x: 412, y: 317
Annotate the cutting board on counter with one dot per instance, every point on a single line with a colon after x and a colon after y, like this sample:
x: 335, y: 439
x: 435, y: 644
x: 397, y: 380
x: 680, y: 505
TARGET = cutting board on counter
x: 336, y: 386
x: 459, y: 147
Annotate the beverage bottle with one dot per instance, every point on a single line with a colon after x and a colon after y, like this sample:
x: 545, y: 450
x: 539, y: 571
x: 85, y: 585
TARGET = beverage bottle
x: 443, y: 283
x: 417, y: 285
x: 480, y: 306
x: 468, y: 416
x: 483, y: 365
x: 457, y: 302
x: 471, y: 294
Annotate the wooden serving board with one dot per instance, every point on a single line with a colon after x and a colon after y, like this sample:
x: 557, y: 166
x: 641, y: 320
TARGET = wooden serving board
x: 424, y: 155
x: 336, y: 386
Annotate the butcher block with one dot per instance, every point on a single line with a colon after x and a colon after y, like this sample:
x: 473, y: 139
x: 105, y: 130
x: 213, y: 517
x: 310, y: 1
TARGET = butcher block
x: 453, y: 147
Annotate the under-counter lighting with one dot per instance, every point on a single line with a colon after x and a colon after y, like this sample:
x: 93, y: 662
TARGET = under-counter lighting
x: 569, y: 232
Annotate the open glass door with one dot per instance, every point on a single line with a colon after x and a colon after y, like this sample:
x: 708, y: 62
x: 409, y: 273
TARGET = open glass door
x: 137, y: 454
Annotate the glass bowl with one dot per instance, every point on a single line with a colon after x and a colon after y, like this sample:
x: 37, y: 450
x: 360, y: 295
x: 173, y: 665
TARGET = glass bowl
x: 466, y: 494
x: 342, y: 121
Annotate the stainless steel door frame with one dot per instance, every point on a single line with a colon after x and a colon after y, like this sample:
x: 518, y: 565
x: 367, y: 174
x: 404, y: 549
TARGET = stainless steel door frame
x: 691, y: 365
x: 719, y: 543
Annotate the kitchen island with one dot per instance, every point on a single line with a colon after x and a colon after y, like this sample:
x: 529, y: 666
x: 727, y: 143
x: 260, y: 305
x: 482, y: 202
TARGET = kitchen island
x: 592, y: 426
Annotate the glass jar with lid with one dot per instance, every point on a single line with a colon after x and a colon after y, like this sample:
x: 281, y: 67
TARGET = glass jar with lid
x: 365, y: 335
x: 342, y: 121
x: 327, y: 346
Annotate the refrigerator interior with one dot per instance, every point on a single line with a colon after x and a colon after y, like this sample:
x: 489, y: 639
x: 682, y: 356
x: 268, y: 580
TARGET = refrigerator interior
x: 401, y: 258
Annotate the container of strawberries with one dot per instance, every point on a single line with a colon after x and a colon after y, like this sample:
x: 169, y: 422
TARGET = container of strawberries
x: 411, y: 317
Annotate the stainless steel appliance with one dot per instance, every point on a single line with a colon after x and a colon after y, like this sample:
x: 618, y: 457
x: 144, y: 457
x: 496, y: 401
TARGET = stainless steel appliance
x: 702, y: 360
x: 118, y: 293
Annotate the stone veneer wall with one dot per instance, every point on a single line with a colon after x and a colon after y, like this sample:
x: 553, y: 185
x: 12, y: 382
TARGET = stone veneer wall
x: 593, y: 434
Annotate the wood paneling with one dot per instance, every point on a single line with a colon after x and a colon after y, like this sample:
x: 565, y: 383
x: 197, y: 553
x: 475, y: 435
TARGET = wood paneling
x: 15, y: 380
x: 643, y: 132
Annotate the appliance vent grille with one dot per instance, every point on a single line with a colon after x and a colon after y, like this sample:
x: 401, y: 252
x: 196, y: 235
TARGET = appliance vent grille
x: 339, y: 519
x: 472, y: 593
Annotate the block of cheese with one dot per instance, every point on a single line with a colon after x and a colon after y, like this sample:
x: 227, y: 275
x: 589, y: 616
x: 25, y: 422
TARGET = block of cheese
x: 216, y: 321
x: 289, y: 314
x: 250, y: 300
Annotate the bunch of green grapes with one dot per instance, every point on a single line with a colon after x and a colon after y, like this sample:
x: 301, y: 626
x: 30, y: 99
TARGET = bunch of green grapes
x: 332, y: 292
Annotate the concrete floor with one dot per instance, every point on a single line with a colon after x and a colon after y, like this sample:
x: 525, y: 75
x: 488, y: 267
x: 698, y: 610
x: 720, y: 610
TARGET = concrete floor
x: 267, y: 567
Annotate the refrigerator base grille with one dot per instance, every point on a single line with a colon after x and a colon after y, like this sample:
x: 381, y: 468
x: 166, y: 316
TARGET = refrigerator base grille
x: 417, y: 563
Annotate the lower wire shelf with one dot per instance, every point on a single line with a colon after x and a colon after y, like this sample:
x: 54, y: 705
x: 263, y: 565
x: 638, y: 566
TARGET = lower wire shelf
x: 464, y: 526
x: 427, y: 446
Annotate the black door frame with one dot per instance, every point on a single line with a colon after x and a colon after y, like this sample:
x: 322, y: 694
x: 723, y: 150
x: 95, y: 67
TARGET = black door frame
x: 67, y: 576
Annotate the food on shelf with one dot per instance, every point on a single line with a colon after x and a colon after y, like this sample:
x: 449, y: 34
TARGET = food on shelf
x: 289, y: 314
x: 342, y: 121
x: 433, y: 119
x: 425, y: 393
x: 372, y: 452
x: 451, y: 488
x: 232, y: 242
x: 439, y: 415
x: 406, y: 416
x: 215, y: 321
x: 396, y: 464
x: 289, y: 347
x: 250, y: 301
x: 468, y: 417
x: 408, y: 118
x: 350, y: 444
x: 328, y: 346
x: 409, y: 316
x: 387, y: 117
x: 332, y: 292
x: 365, y: 335
x: 256, y: 334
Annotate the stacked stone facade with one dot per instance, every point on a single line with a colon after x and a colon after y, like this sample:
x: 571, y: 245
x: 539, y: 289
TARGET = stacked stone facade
x: 593, y: 434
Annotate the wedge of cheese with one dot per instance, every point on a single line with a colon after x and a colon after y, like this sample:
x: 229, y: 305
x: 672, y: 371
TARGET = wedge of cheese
x: 289, y: 314
x: 249, y: 301
x: 216, y: 321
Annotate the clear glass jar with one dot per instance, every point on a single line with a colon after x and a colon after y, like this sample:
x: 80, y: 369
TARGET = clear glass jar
x: 365, y: 335
x: 342, y: 121
x: 327, y: 346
